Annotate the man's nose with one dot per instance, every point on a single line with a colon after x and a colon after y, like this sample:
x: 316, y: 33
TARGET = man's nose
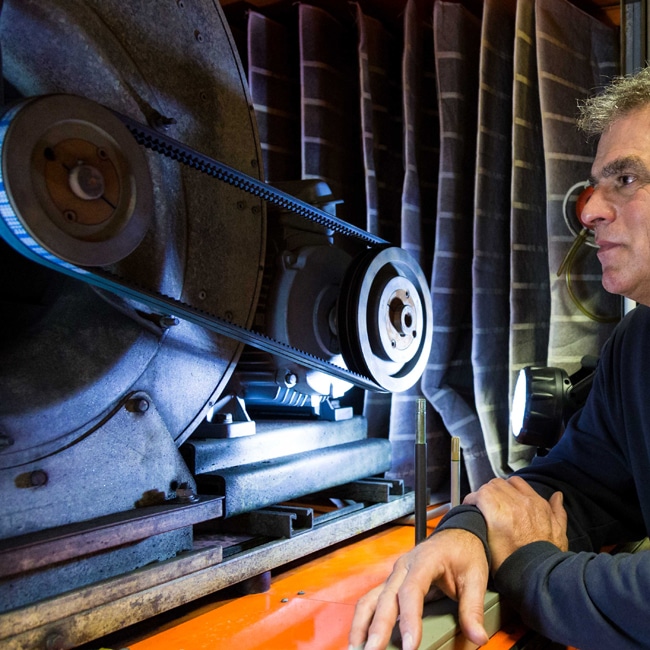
x: 595, y: 207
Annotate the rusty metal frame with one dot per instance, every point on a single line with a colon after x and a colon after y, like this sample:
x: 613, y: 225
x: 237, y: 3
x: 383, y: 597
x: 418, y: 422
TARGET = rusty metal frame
x: 89, y: 613
x: 44, y: 548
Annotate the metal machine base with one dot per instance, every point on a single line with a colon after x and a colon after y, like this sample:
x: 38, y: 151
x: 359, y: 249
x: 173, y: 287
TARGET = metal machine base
x: 90, y: 613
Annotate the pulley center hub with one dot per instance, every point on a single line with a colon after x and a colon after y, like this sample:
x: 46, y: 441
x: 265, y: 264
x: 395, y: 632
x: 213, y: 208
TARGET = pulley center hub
x: 399, y: 306
x: 81, y: 180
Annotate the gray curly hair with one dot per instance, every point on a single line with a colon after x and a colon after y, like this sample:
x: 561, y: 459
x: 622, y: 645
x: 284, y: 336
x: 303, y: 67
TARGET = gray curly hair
x: 623, y: 95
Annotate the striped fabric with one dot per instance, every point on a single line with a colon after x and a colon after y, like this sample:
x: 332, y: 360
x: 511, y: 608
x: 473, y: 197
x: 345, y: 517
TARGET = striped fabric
x: 530, y: 298
x: 273, y: 82
x: 456, y: 141
x: 411, y: 214
x: 428, y: 148
x: 381, y: 126
x: 448, y: 381
x: 329, y: 110
x: 491, y: 263
x: 575, y: 55
x: 379, y: 54
x: 420, y: 169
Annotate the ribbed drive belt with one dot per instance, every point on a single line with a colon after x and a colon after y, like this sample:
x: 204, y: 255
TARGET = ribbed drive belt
x: 12, y: 230
x: 173, y: 149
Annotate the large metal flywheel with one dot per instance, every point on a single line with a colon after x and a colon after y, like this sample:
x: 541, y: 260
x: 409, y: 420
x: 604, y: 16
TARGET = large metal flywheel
x: 70, y: 352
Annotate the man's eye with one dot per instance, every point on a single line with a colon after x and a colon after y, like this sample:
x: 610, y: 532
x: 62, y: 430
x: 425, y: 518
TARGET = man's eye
x: 626, y: 179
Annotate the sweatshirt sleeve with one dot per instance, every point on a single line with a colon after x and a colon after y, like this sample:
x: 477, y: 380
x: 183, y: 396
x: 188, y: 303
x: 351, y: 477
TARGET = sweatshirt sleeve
x: 588, y: 600
x: 466, y: 518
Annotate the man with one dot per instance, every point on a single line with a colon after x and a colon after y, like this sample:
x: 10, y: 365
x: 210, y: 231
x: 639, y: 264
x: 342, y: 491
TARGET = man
x: 539, y: 533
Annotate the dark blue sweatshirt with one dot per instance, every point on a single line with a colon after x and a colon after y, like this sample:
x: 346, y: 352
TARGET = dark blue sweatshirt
x: 585, y: 598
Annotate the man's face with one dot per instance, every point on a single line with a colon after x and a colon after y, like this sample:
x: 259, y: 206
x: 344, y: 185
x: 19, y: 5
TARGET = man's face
x: 619, y: 209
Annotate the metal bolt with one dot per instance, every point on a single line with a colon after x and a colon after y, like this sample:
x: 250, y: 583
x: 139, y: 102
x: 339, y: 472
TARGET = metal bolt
x: 161, y: 122
x: 168, y: 321
x: 185, y: 493
x: 290, y: 379
x: 38, y: 478
x: 202, y: 295
x: 138, y: 405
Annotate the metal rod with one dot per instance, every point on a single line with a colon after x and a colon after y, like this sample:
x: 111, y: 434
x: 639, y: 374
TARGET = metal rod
x: 421, y: 473
x: 455, y: 471
x: 433, y: 513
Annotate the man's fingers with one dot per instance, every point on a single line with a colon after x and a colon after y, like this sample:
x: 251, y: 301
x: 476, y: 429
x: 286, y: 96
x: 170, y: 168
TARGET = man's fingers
x: 435, y: 593
x: 557, y: 508
x: 411, y: 603
x: 521, y: 486
x: 363, y: 614
x: 386, y: 610
x: 471, y: 596
x: 557, y: 505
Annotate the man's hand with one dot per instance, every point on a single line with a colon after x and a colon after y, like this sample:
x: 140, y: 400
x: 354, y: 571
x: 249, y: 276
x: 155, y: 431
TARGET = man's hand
x: 454, y: 561
x: 516, y: 515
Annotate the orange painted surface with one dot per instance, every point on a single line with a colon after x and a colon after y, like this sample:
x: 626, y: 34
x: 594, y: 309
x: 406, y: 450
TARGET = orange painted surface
x: 317, y: 613
x: 307, y: 608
